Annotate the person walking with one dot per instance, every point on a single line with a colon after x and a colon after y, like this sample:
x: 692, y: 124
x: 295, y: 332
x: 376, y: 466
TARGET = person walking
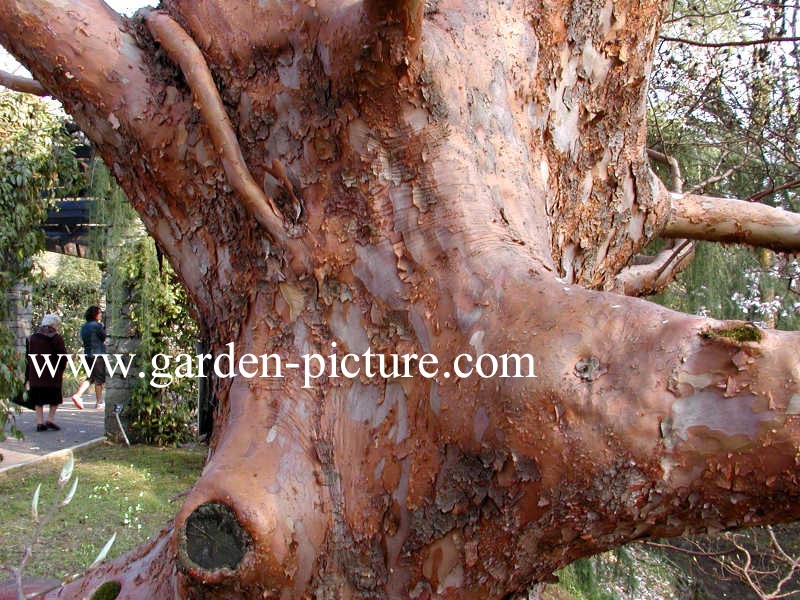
x: 93, y: 335
x: 45, y: 384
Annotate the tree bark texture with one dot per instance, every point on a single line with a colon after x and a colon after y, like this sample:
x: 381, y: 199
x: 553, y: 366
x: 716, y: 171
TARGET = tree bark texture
x: 450, y: 177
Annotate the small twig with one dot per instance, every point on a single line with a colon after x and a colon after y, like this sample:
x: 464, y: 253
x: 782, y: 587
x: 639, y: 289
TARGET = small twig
x: 66, y: 474
x: 22, y: 84
x: 711, y: 180
x: 181, y: 49
x: 685, y: 550
x: 179, y: 495
x: 730, y: 44
x: 758, y: 196
x: 681, y: 245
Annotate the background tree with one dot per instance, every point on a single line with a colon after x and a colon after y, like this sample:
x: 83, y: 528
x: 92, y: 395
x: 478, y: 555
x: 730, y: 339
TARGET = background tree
x: 722, y: 118
x: 724, y: 105
x: 413, y: 178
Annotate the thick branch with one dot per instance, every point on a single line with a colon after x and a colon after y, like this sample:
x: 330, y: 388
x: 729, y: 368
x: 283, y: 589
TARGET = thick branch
x: 22, y: 84
x: 182, y: 50
x: 736, y: 221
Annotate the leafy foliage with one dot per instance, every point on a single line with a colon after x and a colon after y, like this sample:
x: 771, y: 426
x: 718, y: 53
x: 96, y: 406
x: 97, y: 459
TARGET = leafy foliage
x: 158, y: 310
x: 35, y: 162
x: 74, y: 285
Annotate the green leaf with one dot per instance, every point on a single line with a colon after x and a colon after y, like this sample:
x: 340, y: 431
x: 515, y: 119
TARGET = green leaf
x: 66, y: 471
x: 35, y: 504
x: 68, y: 498
x: 104, y: 552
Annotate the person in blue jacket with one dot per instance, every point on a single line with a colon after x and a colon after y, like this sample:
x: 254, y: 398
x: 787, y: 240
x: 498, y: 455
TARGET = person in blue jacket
x: 93, y: 335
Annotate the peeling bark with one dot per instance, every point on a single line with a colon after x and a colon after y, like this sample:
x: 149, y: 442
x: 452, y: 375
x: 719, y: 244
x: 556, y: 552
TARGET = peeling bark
x: 182, y: 49
x: 452, y: 182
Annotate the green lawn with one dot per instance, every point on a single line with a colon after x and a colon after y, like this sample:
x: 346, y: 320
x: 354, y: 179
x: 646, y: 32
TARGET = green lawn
x: 131, y: 491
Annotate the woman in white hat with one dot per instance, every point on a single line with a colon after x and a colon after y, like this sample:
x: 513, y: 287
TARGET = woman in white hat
x: 45, y: 383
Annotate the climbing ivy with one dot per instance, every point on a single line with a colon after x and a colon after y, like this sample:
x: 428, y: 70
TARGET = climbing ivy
x: 154, y: 303
x: 36, y: 164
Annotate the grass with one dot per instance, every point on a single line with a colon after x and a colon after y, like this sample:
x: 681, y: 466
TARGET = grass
x: 130, y: 491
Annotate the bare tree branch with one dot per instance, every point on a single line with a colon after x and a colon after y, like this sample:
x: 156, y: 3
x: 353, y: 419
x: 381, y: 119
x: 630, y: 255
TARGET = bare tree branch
x: 653, y: 276
x: 787, y: 185
x: 714, y: 179
x: 676, y: 179
x: 673, y: 547
x: 736, y: 221
x: 649, y: 275
x: 182, y: 49
x: 730, y: 44
x: 22, y: 84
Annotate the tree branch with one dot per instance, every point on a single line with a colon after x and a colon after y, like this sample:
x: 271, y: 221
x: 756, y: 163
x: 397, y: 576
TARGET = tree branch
x: 654, y: 276
x: 673, y: 547
x: 736, y: 221
x: 787, y: 185
x: 713, y: 179
x: 730, y: 44
x: 183, y: 51
x: 676, y: 179
x: 22, y: 84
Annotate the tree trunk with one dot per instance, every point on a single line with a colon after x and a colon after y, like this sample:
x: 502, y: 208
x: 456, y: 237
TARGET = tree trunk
x: 445, y: 178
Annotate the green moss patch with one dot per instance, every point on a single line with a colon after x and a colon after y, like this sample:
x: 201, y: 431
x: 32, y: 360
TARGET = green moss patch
x: 739, y: 333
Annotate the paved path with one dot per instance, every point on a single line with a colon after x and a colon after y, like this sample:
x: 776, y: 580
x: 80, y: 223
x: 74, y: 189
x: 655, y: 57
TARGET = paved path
x: 78, y: 427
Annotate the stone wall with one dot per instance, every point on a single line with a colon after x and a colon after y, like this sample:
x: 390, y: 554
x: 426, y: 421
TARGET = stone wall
x: 20, y: 315
x: 122, y: 339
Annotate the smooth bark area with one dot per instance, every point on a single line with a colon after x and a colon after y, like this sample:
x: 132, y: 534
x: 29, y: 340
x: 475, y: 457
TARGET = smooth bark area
x: 728, y: 220
x: 21, y: 84
x: 451, y: 178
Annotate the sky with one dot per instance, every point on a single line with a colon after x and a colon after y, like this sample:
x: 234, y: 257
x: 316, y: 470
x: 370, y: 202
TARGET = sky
x: 129, y: 7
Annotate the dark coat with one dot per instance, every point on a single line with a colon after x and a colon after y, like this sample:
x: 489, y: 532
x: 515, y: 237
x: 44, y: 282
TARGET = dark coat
x: 46, y: 341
